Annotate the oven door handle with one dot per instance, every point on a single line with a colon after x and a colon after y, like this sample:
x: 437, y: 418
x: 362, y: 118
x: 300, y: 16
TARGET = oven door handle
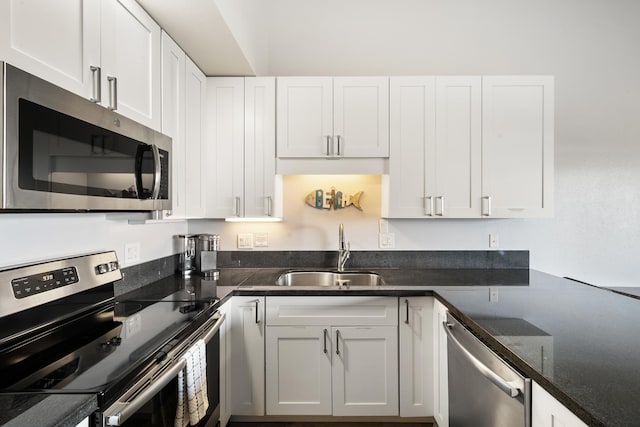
x: 124, y: 410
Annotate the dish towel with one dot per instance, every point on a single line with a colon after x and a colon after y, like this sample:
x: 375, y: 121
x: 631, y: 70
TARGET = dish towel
x: 193, y: 401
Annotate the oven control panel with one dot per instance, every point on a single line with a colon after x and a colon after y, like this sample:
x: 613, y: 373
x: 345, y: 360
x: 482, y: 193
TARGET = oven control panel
x: 38, y: 283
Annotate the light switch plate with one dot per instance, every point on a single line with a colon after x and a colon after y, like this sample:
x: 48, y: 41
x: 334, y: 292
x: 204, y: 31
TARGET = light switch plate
x: 245, y: 240
x: 386, y: 240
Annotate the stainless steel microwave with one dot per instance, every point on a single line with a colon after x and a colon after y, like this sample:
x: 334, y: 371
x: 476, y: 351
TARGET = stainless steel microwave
x: 62, y: 152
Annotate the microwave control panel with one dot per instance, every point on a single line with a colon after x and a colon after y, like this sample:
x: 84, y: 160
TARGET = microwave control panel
x: 43, y: 282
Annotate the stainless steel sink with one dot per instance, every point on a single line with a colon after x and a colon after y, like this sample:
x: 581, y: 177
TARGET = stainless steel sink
x: 329, y: 278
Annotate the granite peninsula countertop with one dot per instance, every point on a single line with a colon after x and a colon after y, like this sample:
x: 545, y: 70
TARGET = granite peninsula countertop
x: 592, y: 359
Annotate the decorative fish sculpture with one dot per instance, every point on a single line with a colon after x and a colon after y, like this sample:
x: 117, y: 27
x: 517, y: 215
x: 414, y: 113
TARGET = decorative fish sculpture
x: 320, y: 199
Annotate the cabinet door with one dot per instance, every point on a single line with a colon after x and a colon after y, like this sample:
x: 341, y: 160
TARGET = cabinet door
x: 130, y: 52
x: 298, y: 370
x: 361, y: 116
x: 517, y: 146
x: 304, y: 116
x: 412, y: 130
x: 546, y: 411
x: 441, y: 392
x: 225, y: 366
x: 416, y: 357
x: 195, y: 153
x: 225, y: 147
x: 247, y: 356
x: 262, y: 193
x: 453, y: 166
x: 365, y: 371
x: 56, y: 41
x: 173, y: 119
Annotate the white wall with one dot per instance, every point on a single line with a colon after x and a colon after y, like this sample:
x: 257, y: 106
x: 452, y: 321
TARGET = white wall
x: 26, y: 238
x: 592, y: 49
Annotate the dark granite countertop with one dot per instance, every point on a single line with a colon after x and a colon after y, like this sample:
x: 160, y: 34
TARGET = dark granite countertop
x: 60, y: 410
x: 591, y: 362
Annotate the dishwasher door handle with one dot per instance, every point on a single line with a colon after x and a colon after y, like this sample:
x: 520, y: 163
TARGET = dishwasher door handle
x: 496, y: 379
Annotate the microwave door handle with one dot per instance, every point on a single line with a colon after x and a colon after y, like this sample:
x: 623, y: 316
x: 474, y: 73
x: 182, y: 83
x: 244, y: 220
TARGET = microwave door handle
x: 157, y: 176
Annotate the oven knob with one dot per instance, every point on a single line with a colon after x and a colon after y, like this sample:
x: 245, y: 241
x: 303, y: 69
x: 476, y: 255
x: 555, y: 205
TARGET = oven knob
x: 107, y: 267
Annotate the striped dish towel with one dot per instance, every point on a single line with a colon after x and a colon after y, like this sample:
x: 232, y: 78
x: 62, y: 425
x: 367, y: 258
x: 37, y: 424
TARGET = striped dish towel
x: 193, y: 401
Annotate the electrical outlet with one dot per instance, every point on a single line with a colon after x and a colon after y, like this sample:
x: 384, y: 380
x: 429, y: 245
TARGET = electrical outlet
x: 261, y: 240
x: 386, y: 240
x: 493, y: 240
x: 493, y: 294
x: 131, y: 253
x: 245, y: 240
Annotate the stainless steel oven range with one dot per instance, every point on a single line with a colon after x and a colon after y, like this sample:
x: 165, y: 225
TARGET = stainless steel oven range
x: 63, y: 332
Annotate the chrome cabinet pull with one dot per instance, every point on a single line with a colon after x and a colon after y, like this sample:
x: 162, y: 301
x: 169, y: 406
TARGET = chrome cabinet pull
x: 486, y: 212
x: 339, y: 152
x: 96, y: 79
x: 441, y: 198
x: 338, y: 341
x: 325, y: 333
x: 257, y: 312
x: 481, y: 367
x: 236, y: 206
x: 269, y: 206
x: 113, y: 93
x: 428, y: 202
x: 406, y: 303
x: 328, y: 153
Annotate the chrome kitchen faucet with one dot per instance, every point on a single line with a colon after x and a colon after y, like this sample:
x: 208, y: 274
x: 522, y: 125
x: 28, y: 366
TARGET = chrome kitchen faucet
x: 343, y: 249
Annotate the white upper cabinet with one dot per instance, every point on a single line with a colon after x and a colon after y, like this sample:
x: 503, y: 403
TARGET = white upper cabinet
x: 225, y: 146
x: 262, y: 189
x: 434, y: 166
x: 107, y: 51
x: 241, y: 148
x: 195, y: 113
x: 470, y: 147
x: 333, y: 117
x: 130, y: 55
x: 56, y: 41
x: 517, y: 146
x: 173, y: 119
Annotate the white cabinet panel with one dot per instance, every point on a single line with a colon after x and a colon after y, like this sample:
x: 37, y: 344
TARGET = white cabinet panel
x: 225, y: 366
x: 262, y: 189
x: 195, y: 113
x: 441, y: 383
x: 305, y: 116
x: 517, y: 153
x: 435, y: 161
x: 412, y: 132
x: 56, y: 41
x: 247, y: 356
x: 546, y: 411
x: 173, y: 119
x: 337, y: 117
x: 298, y: 377
x: 130, y: 56
x: 361, y: 116
x: 225, y: 147
x: 416, y: 357
x: 365, y: 371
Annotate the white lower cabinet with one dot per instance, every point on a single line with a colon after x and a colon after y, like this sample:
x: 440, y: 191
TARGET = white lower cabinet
x: 246, y: 355
x: 441, y: 380
x: 332, y: 356
x: 546, y: 411
x: 416, y: 356
x: 225, y: 366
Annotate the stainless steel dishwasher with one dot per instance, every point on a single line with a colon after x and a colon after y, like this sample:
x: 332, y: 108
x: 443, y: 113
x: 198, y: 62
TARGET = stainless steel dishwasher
x: 483, y: 390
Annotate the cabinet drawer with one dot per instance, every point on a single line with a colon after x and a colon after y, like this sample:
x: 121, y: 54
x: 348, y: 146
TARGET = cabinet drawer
x: 339, y: 311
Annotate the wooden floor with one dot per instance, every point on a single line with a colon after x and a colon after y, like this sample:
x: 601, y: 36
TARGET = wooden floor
x: 329, y: 424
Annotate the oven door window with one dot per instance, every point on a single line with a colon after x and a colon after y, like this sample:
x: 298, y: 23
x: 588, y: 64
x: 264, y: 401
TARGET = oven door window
x: 62, y: 154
